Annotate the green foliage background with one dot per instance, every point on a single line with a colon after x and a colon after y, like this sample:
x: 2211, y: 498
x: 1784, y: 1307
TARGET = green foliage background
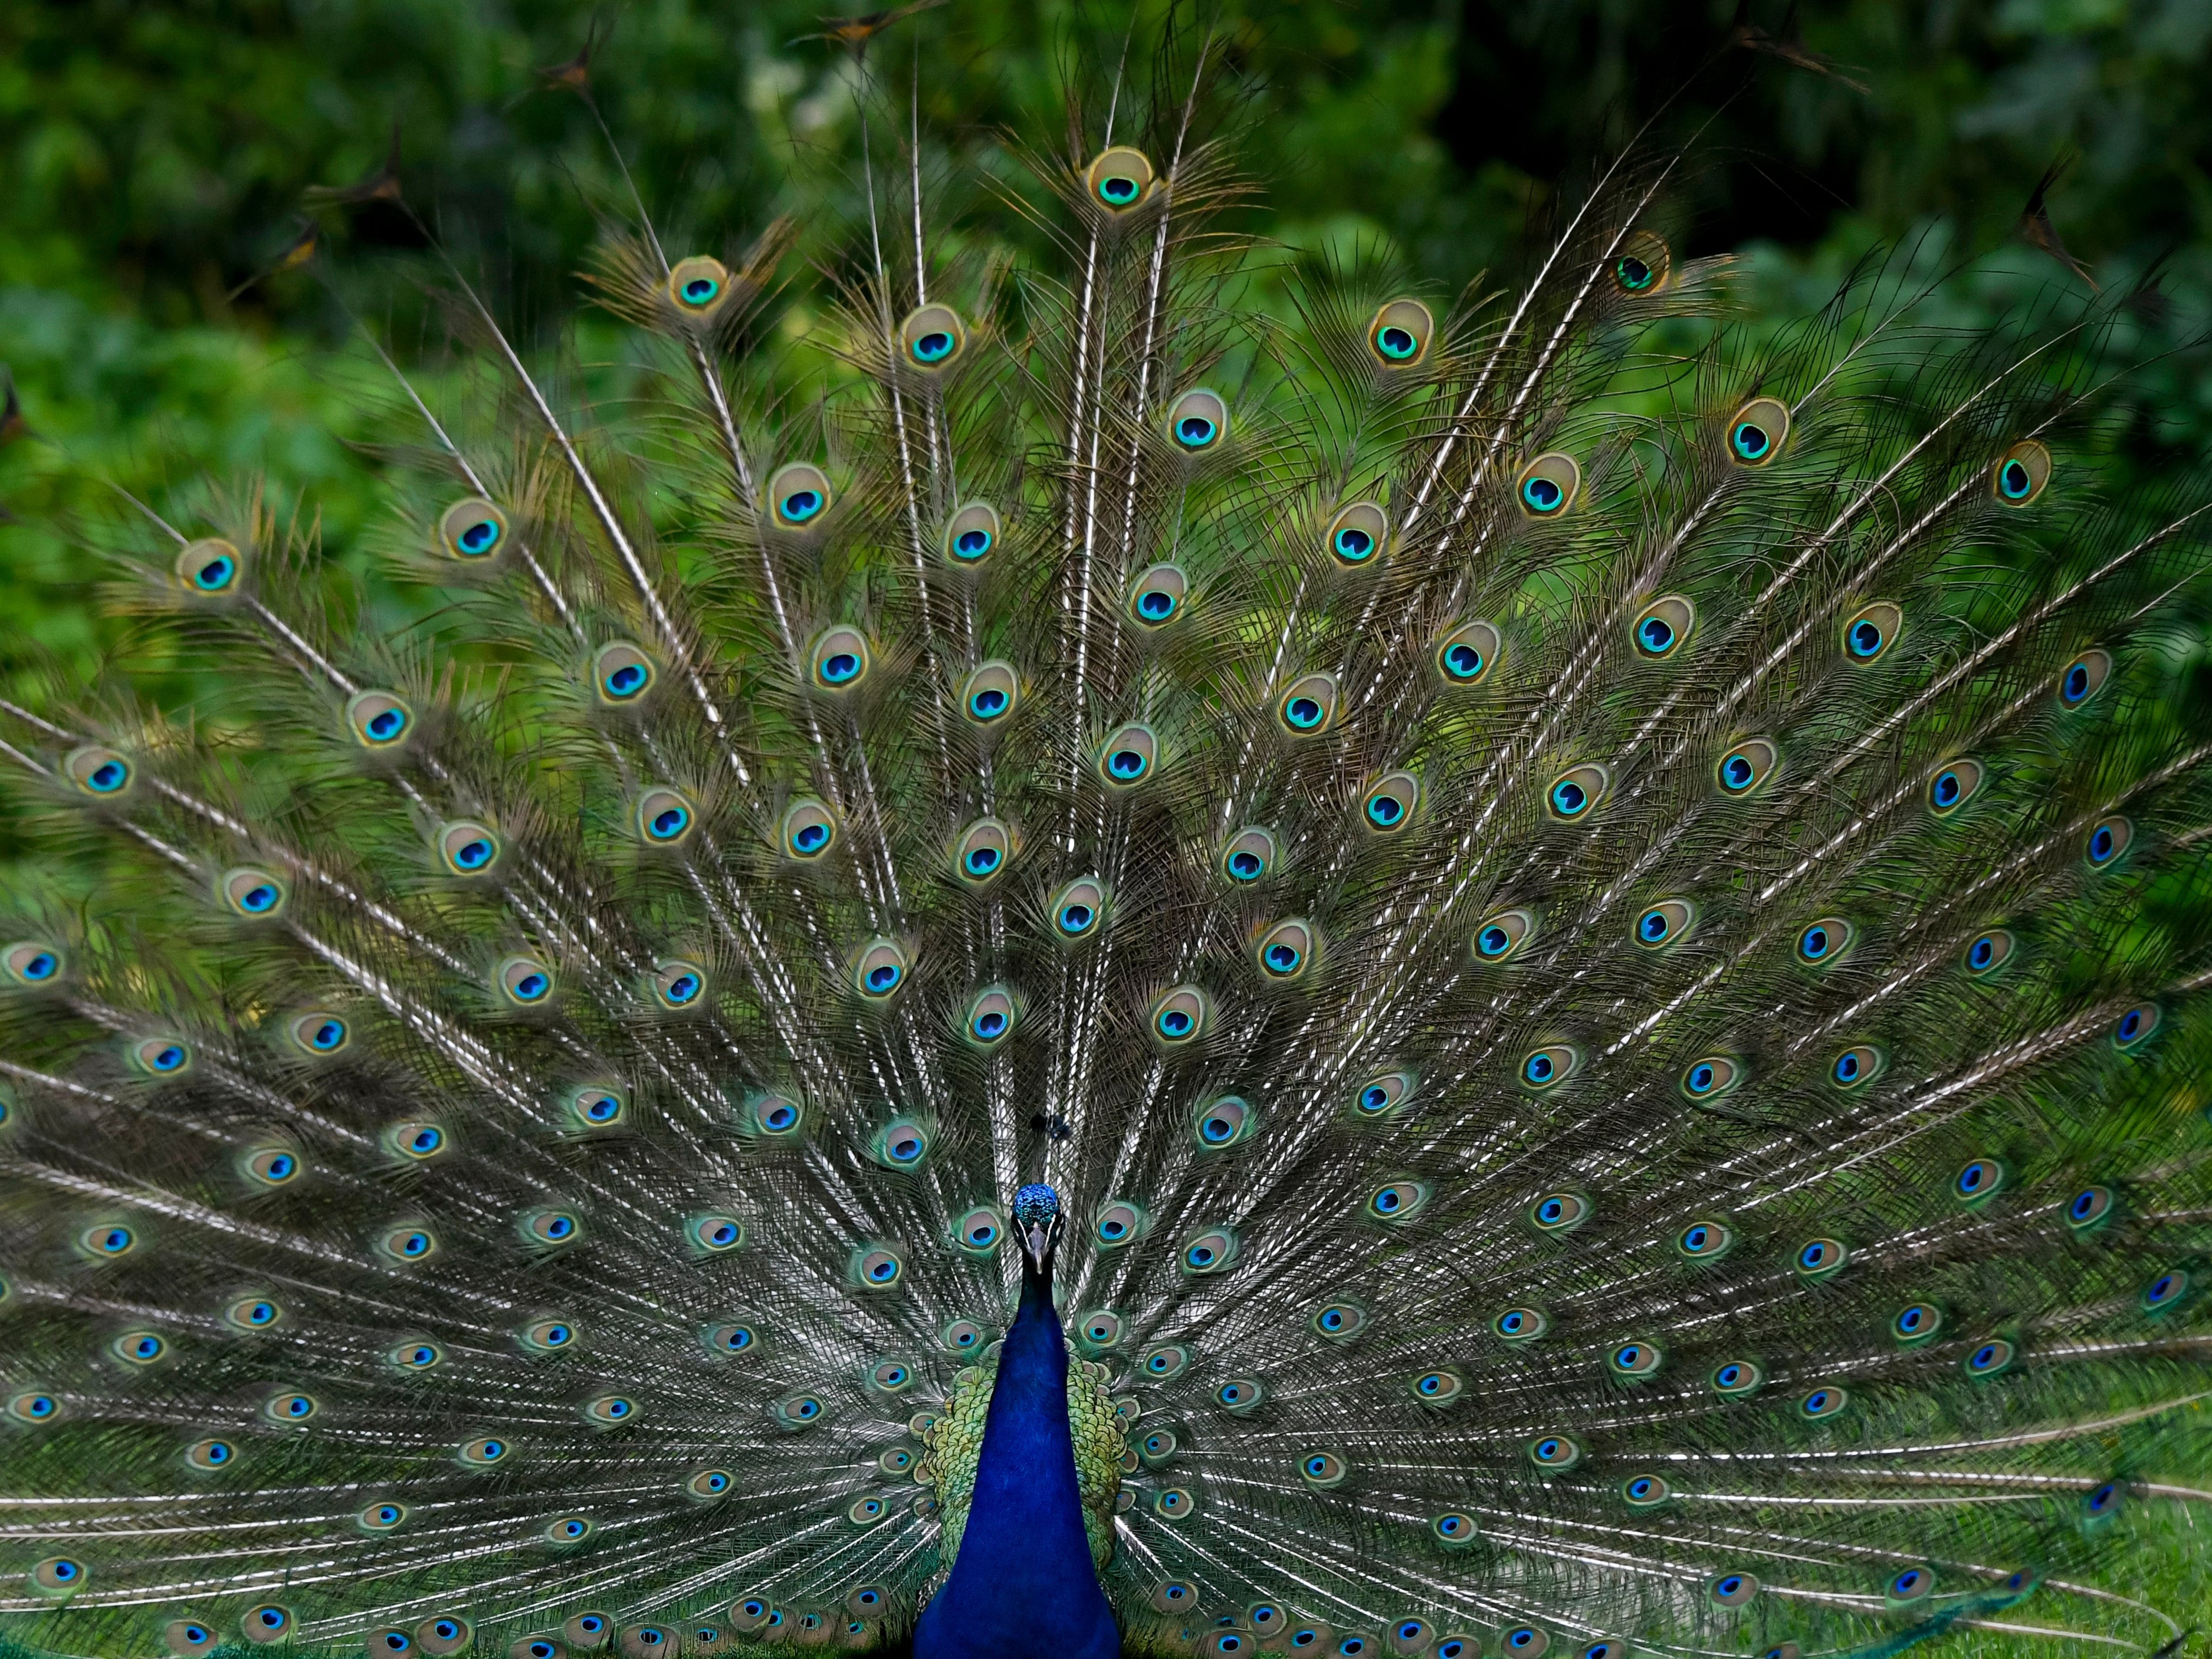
x: 153, y: 154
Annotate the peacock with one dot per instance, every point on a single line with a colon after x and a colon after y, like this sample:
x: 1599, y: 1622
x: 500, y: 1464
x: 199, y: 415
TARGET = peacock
x: 1185, y: 951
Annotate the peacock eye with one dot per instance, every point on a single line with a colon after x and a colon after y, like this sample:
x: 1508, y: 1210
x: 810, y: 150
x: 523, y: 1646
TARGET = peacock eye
x: 1641, y: 264
x: 1157, y: 596
x: 698, y: 285
x: 1659, y: 633
x: 1197, y: 420
x: 664, y: 817
x: 1309, y: 706
x: 1868, y: 636
x: 472, y: 529
x: 1756, y: 432
x: 1465, y: 655
x: 1400, y: 335
x: 1746, y: 766
x: 1118, y: 178
x: 990, y: 694
x: 798, y: 494
x: 2021, y: 473
x: 1128, y: 755
x: 932, y: 336
x: 1546, y: 486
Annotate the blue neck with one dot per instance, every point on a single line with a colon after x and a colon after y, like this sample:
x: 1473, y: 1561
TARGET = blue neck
x: 1022, y: 1586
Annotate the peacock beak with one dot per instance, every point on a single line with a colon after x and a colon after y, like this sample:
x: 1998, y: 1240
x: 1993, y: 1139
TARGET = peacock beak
x: 1040, y: 1239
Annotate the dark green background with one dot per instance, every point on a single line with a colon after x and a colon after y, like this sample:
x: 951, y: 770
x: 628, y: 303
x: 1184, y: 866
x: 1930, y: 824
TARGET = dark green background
x: 155, y: 155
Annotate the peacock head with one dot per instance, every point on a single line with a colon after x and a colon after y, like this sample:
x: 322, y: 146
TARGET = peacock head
x: 1038, y: 1221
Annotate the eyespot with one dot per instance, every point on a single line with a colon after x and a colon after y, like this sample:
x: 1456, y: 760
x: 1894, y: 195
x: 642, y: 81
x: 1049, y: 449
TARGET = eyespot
x: 1525, y: 1641
x: 317, y: 1034
x: 1575, y: 791
x: 1560, y: 1213
x: 1645, y: 1491
x: 840, y: 660
x: 1467, y: 653
x: 1156, y: 598
x: 715, y: 1235
x: 1554, y: 1452
x: 139, y: 1347
x: 1400, y: 335
x: 2084, y: 677
x: 568, y: 1529
x: 408, y: 1242
x: 1991, y: 1358
x: 1500, y: 937
x: 931, y: 336
x: 1339, y: 1322
x: 1118, y: 178
x: 101, y: 773
x: 1077, y: 908
x: 1746, y: 766
x: 1240, y: 1396
x: 677, y: 984
x: 209, y: 1455
x: 31, y: 962
x: 1856, y: 1066
x: 1164, y: 1363
x: 1546, y: 486
x: 1664, y: 923
x: 377, y: 720
x: 1869, y: 634
x: 2167, y: 1291
x: 35, y: 1406
x: 878, y: 1268
x: 255, y: 894
x: 2021, y: 473
x: 901, y: 1144
x: 1635, y: 1359
x: 1642, y: 263
x: 484, y: 1452
x: 2135, y: 1025
x: 2108, y: 839
x: 982, y: 852
x: 1824, y: 941
x: 187, y: 1637
x: 710, y: 1483
x: 880, y: 970
x: 1521, y: 1324
x: 1917, y: 1321
x: 663, y: 817
x: 1438, y: 1388
x: 609, y: 1411
x: 1222, y: 1123
x: 267, y: 1622
x: 1389, y: 805
x: 1756, y: 431
x: 971, y: 534
x: 1284, y: 951
x: 1982, y: 1179
x: 1711, y: 1077
x: 1248, y: 855
x: 107, y: 1241
x: 1398, y: 1201
x: 525, y: 981
x: 808, y: 830
x: 552, y: 1227
x: 2089, y: 1208
x: 1179, y: 1015
x: 1118, y: 1223
x: 699, y: 285
x: 1732, y: 1590
x: 732, y: 1339
x: 468, y: 848
x: 1549, y: 1067
x: 798, y: 494
x: 273, y: 1166
x: 1821, y: 1258
x: 1911, y: 1585
x: 289, y: 1406
x: 1358, y: 535
x: 1383, y: 1094
x: 473, y: 529
x: 253, y: 1313
x: 599, y: 1106
x: 1666, y: 622
x: 1824, y: 1401
x: 1954, y: 784
x: 1735, y: 1379
x: 776, y: 1116
x: 586, y: 1630
x: 1322, y: 1470
x: 1128, y: 755
x: 1099, y: 1328
x: 1704, y: 1241
x: 1197, y: 421
x: 548, y: 1335
x: 381, y: 1517
x: 991, y: 1016
x: 1211, y: 1251
x: 1309, y: 706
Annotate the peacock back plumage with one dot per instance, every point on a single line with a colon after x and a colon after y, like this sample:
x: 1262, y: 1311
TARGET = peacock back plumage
x: 1589, y: 915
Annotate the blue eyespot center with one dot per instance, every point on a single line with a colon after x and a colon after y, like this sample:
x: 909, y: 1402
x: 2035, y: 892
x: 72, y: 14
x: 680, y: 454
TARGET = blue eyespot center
x: 1737, y: 773
x: 1543, y: 494
x: 1655, y: 634
x: 1353, y: 544
x: 883, y: 976
x: 1701, y: 1077
x: 214, y: 576
x: 1126, y: 764
x: 109, y: 776
x: 1175, y: 1023
x: 1569, y: 797
x: 988, y: 704
x: 1865, y: 639
x: 2075, y: 685
x: 2013, y: 479
x: 1396, y: 343
x: 1194, y: 431
x: 1245, y: 866
x: 1076, y: 918
x: 1751, y: 440
x: 933, y: 347
x: 972, y: 543
x: 1304, y: 713
x: 1813, y: 943
x: 1632, y: 273
x: 1118, y: 190
x: 1156, y: 604
x: 1462, y: 662
x: 479, y: 537
x: 981, y: 860
x: 669, y: 822
x: 800, y: 505
x: 840, y: 667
